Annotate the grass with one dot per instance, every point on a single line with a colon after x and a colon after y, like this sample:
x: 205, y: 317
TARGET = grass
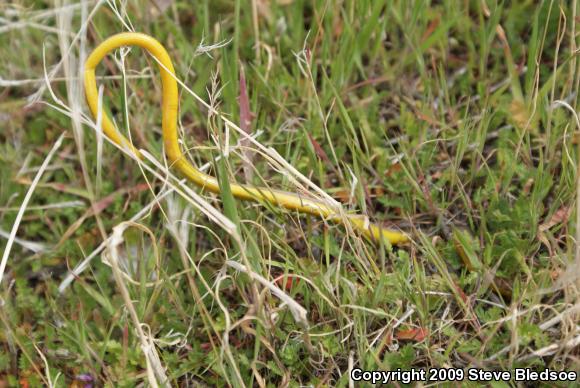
x: 453, y: 121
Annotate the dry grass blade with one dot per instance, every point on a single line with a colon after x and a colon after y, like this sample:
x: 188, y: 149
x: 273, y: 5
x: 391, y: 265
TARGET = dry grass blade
x: 33, y: 246
x: 298, y: 312
x: 16, y: 224
x: 155, y: 370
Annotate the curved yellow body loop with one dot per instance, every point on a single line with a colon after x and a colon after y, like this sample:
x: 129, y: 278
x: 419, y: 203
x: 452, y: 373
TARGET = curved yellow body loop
x: 169, y: 111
